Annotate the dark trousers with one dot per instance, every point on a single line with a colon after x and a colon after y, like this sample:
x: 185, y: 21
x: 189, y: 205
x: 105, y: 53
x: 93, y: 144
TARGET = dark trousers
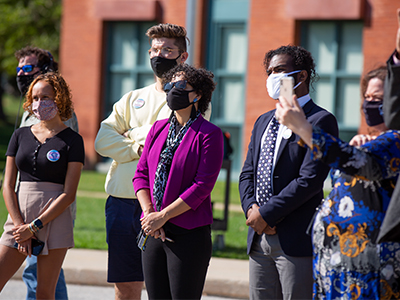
x: 177, y: 270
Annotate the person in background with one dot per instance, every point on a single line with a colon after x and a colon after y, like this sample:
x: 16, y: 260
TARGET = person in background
x: 390, y: 229
x: 174, y: 178
x: 49, y: 157
x: 348, y: 262
x: 280, y: 186
x: 32, y: 62
x: 121, y: 137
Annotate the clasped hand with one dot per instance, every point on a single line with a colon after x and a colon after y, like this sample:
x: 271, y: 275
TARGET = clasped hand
x: 23, y: 237
x: 152, y: 224
x: 256, y: 221
x: 21, y: 233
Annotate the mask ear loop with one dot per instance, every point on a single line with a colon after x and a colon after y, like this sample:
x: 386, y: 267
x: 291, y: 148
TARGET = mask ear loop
x: 194, y: 111
x: 297, y: 85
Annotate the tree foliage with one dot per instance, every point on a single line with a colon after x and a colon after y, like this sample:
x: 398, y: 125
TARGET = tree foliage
x: 28, y: 22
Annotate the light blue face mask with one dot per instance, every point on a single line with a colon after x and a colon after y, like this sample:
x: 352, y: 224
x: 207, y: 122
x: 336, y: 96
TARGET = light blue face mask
x: 274, y: 83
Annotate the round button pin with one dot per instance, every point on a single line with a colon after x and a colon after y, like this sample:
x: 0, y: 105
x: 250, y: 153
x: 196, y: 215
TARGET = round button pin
x: 138, y: 103
x: 287, y: 133
x: 53, y: 155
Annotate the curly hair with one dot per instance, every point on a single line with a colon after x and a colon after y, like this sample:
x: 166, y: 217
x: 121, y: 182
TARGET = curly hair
x: 301, y: 58
x: 62, y: 94
x: 380, y: 73
x: 45, y: 59
x: 170, y: 31
x: 200, y: 79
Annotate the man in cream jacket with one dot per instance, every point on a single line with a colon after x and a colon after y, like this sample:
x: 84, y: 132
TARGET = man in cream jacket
x: 121, y: 137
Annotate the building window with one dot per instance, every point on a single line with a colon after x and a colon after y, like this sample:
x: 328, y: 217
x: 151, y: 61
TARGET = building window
x: 227, y: 59
x: 127, y: 60
x: 337, y: 50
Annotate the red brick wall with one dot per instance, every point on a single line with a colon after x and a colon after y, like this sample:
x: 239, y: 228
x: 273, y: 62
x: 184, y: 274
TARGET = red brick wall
x: 81, y: 65
x: 82, y: 54
x: 270, y: 27
x: 82, y: 50
x: 379, y: 37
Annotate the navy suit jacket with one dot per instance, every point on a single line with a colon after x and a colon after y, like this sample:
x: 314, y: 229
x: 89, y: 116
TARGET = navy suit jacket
x: 297, y: 183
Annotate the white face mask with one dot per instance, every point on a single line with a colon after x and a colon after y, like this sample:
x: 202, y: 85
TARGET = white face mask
x: 274, y: 83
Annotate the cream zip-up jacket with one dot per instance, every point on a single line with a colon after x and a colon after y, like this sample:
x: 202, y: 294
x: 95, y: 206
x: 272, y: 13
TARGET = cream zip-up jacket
x: 135, y: 111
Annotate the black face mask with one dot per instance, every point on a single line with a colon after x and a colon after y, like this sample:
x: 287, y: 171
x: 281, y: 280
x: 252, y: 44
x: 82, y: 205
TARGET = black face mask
x: 373, y: 112
x: 162, y: 65
x: 178, y: 99
x: 24, y: 81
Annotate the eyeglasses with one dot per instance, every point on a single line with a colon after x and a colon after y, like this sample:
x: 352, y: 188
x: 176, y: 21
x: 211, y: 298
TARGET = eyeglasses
x: 26, y: 68
x: 165, y: 51
x: 181, y: 84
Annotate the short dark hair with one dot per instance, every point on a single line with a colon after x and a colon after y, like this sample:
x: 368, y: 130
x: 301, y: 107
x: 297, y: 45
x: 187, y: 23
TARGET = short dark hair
x: 301, y: 58
x: 45, y: 60
x: 200, y: 79
x: 380, y: 73
x: 62, y: 94
x: 170, y: 31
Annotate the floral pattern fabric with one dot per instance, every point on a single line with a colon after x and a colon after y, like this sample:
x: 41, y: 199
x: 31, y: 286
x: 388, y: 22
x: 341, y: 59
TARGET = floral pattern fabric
x: 347, y: 262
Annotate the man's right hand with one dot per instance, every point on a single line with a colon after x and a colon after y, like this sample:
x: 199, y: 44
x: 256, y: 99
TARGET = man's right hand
x: 255, y: 220
x: 270, y: 230
x: 140, y: 149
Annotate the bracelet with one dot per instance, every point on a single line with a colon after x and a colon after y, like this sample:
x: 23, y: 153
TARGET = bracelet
x: 33, y: 227
x: 30, y: 229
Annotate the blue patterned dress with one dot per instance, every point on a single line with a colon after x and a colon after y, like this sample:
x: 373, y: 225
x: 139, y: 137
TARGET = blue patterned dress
x: 348, y: 264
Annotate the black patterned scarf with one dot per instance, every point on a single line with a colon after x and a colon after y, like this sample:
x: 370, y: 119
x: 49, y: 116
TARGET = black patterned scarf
x: 164, y: 165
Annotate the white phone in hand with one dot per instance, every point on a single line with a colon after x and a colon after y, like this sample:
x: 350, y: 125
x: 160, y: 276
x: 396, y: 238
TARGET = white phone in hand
x: 286, y: 89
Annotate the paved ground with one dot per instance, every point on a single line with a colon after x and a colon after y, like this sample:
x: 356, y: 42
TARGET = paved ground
x: 16, y: 290
x: 85, y: 273
x: 87, y: 268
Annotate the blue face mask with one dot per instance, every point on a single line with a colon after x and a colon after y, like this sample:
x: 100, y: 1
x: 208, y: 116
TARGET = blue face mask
x: 274, y: 83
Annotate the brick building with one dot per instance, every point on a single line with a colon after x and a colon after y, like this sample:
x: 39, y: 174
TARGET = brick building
x: 103, y: 54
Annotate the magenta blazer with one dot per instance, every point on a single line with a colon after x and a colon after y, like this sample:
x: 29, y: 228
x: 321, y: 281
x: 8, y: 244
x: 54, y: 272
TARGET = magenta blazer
x: 194, y: 169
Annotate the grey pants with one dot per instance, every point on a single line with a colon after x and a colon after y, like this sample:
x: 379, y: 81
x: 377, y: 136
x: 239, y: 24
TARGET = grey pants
x: 275, y: 275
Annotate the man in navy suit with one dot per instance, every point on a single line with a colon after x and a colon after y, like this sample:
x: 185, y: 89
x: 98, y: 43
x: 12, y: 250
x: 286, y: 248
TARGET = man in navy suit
x: 280, y: 250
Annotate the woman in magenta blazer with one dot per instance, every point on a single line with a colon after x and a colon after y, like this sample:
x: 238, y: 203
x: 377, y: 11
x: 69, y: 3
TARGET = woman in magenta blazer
x: 175, y: 175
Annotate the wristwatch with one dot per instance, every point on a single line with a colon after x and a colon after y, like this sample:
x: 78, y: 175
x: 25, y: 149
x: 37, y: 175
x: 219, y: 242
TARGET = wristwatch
x: 38, y: 223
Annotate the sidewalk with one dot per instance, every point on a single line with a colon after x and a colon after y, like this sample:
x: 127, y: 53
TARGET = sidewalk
x: 225, y: 277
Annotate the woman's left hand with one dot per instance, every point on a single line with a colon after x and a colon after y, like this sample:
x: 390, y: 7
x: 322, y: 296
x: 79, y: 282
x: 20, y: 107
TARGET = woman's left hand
x: 360, y: 139
x: 21, y: 233
x: 152, y: 222
x: 290, y: 115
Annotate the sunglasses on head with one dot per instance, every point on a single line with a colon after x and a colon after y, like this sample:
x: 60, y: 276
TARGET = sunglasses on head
x: 181, y: 84
x: 26, y: 68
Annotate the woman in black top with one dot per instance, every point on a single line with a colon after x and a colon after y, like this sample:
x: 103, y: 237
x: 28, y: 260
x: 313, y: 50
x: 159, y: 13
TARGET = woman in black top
x: 49, y: 157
